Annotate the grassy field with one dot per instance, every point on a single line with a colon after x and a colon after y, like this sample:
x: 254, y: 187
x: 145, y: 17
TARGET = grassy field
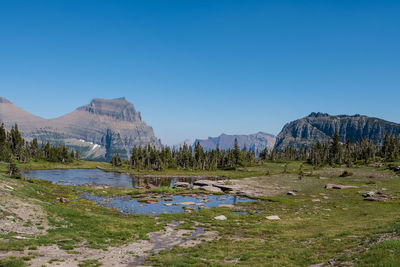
x: 317, y: 225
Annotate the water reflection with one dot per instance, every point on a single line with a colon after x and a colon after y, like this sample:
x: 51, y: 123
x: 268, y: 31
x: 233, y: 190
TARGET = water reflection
x: 99, y: 177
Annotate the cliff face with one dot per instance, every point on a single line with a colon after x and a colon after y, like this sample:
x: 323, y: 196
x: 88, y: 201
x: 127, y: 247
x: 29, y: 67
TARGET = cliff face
x: 257, y: 141
x: 99, y: 129
x: 321, y: 127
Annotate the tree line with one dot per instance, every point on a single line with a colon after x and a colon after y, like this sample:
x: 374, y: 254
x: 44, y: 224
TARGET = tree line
x: 188, y: 157
x: 14, y: 148
x: 196, y: 158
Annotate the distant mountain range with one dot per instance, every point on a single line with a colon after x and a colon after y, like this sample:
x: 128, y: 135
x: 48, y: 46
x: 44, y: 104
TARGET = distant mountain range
x: 98, y: 130
x: 105, y: 127
x: 256, y: 142
x: 321, y: 127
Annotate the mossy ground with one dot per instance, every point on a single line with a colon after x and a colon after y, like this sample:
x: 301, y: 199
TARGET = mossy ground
x: 317, y: 225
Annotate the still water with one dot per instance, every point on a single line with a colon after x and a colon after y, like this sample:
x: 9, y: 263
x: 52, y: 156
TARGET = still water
x: 99, y: 177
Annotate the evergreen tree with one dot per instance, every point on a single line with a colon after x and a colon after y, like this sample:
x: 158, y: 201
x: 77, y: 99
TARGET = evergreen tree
x: 12, y: 168
x: 78, y: 155
x: 334, y: 150
x: 116, y: 160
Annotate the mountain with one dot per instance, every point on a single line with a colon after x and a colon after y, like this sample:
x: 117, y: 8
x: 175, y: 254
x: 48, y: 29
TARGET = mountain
x: 321, y: 127
x: 257, y: 141
x: 187, y: 142
x: 98, y: 130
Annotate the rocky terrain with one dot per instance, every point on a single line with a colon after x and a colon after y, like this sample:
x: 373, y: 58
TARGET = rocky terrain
x: 321, y: 127
x: 256, y: 142
x: 98, y: 130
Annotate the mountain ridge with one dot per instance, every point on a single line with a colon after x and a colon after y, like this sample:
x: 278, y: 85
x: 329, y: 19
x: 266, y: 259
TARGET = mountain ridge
x: 321, y: 127
x: 99, y: 129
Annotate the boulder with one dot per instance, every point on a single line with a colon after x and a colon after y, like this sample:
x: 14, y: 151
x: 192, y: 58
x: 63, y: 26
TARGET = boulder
x: 220, y: 218
x: 63, y: 200
x: 273, y: 217
x: 211, y: 189
x: 204, y: 182
x: 375, y: 196
x: 231, y: 188
x: 291, y: 193
x: 182, y: 185
x: 339, y: 186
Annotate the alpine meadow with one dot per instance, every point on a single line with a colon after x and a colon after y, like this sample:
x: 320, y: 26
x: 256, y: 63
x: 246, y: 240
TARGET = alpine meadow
x: 199, y: 133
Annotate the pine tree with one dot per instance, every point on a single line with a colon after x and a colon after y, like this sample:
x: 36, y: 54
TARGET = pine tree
x: 12, y: 168
x: 78, y: 155
x: 334, y: 150
x: 237, y: 154
x: 116, y: 160
x: 3, y: 135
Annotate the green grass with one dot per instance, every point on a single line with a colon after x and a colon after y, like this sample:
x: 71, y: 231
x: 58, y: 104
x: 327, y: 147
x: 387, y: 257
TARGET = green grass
x: 12, y: 262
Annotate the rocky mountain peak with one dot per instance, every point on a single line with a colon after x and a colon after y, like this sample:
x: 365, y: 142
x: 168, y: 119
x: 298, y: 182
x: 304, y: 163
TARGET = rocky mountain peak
x: 118, y: 108
x: 4, y: 100
x: 320, y: 127
x: 318, y: 114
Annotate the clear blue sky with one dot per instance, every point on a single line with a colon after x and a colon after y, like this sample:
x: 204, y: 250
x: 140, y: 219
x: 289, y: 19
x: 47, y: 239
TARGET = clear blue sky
x: 201, y: 68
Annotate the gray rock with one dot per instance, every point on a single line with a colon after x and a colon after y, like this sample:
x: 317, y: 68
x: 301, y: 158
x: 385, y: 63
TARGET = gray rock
x: 182, y: 185
x: 204, y: 183
x: 273, y: 218
x: 220, y: 218
x: 211, y: 189
x: 291, y: 193
x: 338, y: 186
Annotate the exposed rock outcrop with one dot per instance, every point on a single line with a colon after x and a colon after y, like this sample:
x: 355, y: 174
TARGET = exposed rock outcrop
x: 321, y: 127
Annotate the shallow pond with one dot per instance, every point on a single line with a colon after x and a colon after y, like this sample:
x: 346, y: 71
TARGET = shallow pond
x: 99, y: 177
x: 164, y: 204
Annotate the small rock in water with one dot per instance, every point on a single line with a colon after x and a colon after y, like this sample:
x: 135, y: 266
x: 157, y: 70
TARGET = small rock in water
x: 273, y: 217
x: 187, y: 203
x: 220, y: 218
